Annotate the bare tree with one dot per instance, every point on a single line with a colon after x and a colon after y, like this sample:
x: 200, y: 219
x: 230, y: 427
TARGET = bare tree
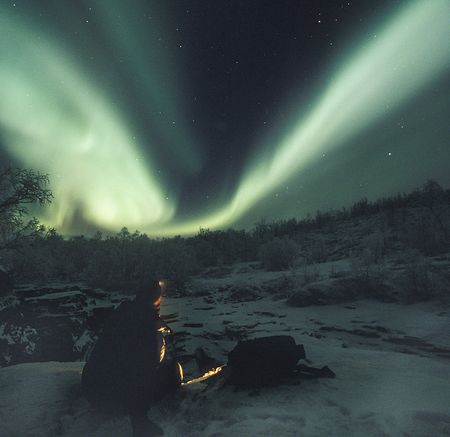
x: 20, y: 188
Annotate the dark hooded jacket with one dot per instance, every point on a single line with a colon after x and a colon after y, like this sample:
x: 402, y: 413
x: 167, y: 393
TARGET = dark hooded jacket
x: 121, y: 373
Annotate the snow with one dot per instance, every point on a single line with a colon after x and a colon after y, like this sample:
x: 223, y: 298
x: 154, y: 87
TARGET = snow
x: 382, y: 387
x: 33, y: 397
x: 57, y: 295
x: 82, y: 341
x: 375, y: 394
x: 19, y: 335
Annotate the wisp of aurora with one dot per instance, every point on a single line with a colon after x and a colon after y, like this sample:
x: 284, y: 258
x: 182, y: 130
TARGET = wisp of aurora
x: 74, y: 133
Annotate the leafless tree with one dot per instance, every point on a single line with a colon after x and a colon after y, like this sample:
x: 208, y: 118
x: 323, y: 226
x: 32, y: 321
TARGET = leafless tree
x: 19, y: 189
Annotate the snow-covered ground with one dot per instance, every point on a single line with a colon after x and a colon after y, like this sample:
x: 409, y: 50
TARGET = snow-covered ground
x: 391, y: 361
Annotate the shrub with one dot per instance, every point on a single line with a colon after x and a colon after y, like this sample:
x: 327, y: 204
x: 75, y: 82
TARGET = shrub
x: 175, y: 261
x: 419, y: 279
x: 278, y: 254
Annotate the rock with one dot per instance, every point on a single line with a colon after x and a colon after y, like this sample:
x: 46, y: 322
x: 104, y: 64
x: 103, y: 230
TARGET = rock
x: 217, y: 272
x: 235, y: 332
x: 358, y: 332
x: 99, y: 317
x: 193, y: 325
x: 243, y: 294
x: 305, y: 298
x: 50, y: 323
x: 325, y: 293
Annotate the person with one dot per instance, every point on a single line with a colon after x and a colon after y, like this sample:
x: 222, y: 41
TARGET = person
x: 127, y: 370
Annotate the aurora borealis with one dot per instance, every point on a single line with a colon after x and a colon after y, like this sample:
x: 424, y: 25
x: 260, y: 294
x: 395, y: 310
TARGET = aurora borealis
x: 102, y: 97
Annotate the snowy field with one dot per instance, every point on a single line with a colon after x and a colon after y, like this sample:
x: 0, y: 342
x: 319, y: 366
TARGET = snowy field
x: 391, y: 361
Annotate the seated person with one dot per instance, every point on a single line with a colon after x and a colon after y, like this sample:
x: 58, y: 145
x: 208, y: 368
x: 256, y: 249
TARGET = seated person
x: 127, y: 370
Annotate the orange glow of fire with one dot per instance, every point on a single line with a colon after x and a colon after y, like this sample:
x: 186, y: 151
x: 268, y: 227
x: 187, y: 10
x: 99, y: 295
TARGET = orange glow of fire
x: 165, y: 330
x: 157, y: 302
x: 162, y: 351
x: 180, y: 369
x: 207, y: 375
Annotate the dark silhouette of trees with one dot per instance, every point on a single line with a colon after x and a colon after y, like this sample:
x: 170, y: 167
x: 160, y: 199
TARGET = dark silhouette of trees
x: 279, y: 253
x: 417, y: 220
x: 20, y: 188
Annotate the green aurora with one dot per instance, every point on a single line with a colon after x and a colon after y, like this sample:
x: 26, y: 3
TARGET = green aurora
x: 59, y: 117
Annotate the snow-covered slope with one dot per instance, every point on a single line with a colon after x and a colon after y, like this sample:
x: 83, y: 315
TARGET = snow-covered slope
x: 391, y: 362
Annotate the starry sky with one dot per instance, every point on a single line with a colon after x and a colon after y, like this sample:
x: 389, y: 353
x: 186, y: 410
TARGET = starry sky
x: 168, y: 116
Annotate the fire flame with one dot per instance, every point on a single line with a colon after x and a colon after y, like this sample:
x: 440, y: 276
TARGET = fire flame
x: 180, y: 369
x: 157, y: 303
x: 207, y: 375
x: 162, y: 351
x: 165, y: 330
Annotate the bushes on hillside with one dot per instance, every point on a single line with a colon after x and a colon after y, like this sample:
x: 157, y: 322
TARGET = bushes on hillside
x: 278, y: 254
x: 128, y: 260
x: 419, y: 220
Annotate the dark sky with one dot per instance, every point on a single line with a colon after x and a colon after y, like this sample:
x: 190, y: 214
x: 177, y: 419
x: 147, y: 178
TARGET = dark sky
x: 170, y: 115
x: 246, y: 60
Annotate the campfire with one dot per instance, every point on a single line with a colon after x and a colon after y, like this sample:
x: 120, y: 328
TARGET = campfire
x: 252, y: 363
x: 162, y: 350
x: 205, y: 376
x: 165, y: 330
x: 264, y: 361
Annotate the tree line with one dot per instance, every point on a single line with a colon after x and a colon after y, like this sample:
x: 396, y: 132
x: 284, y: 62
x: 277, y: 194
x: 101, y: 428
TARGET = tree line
x: 33, y: 252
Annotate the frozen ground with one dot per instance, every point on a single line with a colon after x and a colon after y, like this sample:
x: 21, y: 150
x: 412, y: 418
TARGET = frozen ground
x: 391, y: 361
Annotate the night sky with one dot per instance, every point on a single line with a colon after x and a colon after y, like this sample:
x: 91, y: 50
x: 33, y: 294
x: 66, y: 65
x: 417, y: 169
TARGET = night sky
x: 168, y: 116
